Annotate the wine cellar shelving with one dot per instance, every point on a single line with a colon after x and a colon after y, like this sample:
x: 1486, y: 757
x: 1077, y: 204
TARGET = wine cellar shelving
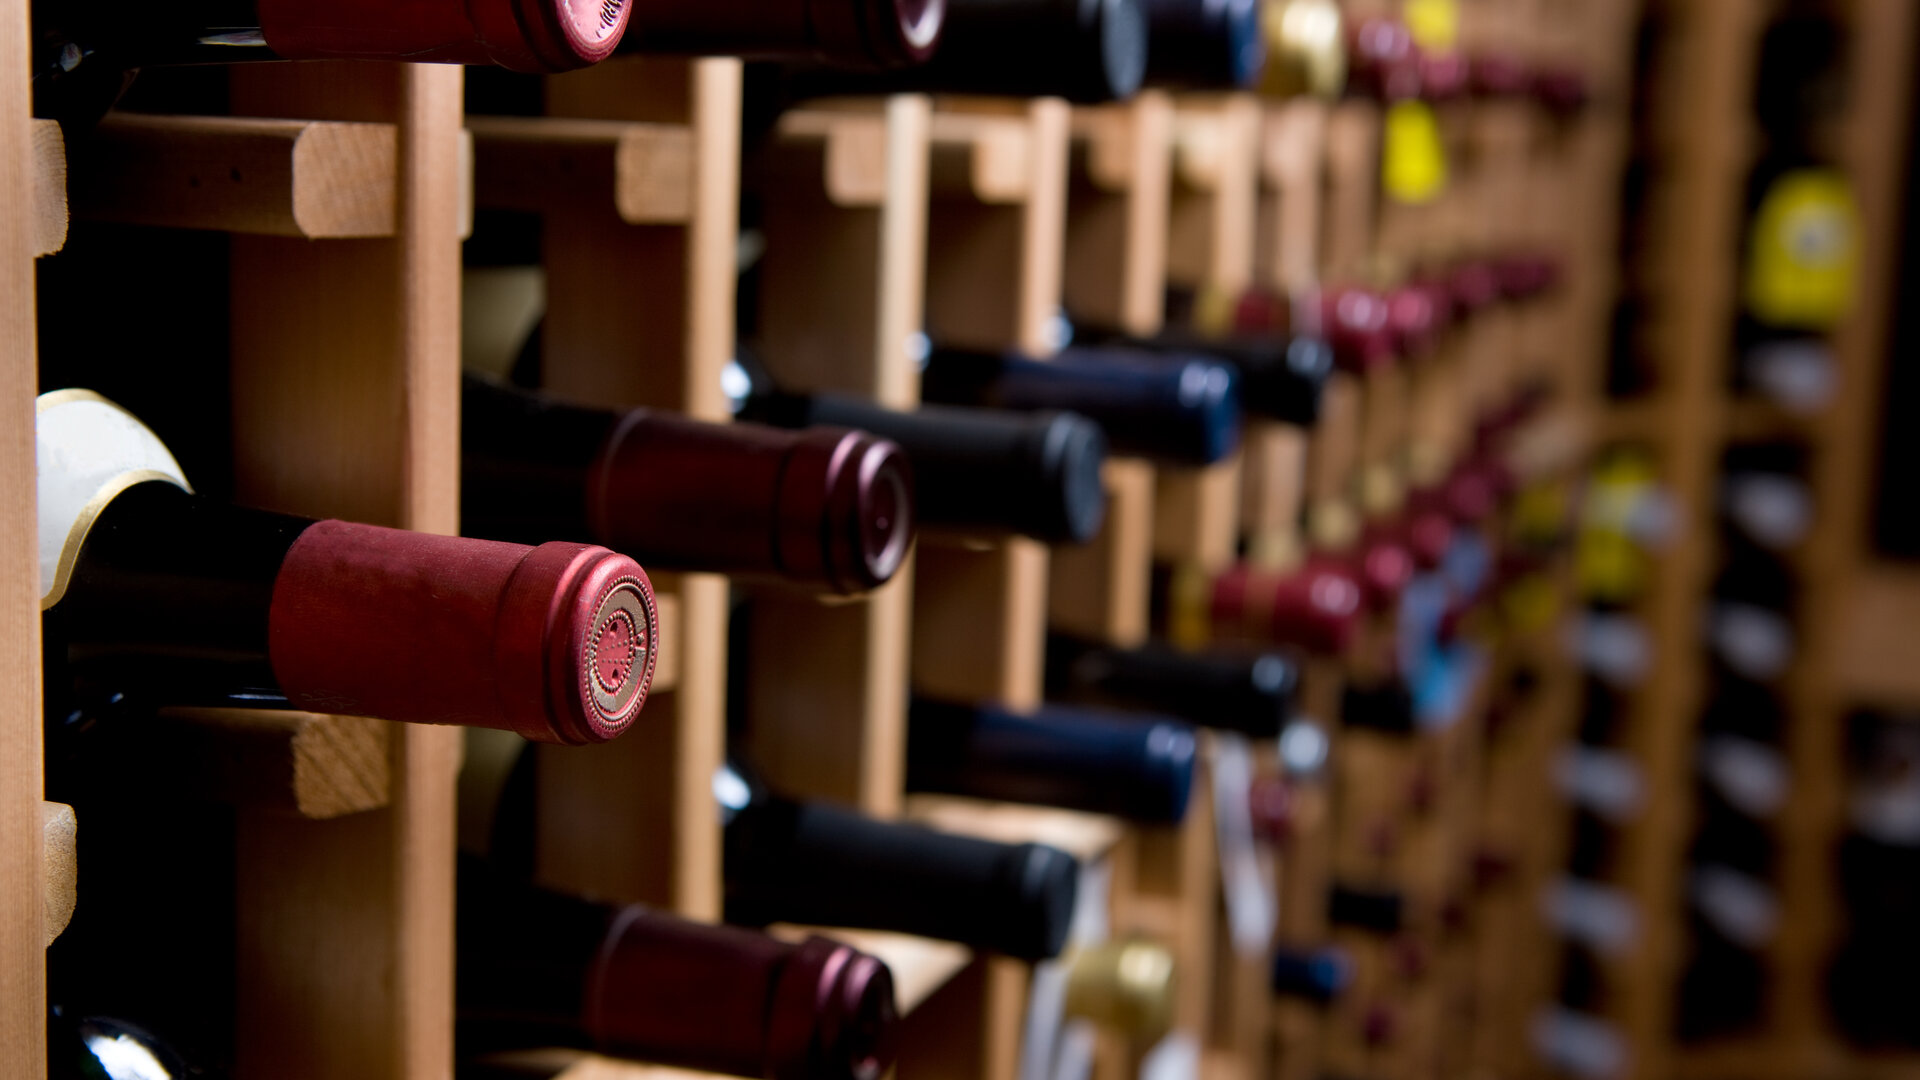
x: 872, y: 227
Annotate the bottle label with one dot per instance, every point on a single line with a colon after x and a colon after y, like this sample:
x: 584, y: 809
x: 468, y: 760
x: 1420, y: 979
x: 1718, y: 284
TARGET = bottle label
x: 1413, y: 160
x: 1805, y: 251
x: 88, y: 450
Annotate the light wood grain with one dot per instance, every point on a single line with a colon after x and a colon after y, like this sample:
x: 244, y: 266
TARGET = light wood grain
x: 316, y: 179
x: 547, y: 163
x: 23, y: 992
x: 988, y: 159
x: 59, y: 868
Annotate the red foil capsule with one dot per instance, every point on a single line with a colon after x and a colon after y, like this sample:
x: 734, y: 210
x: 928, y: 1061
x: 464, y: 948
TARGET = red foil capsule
x: 1417, y: 318
x: 556, y: 642
x: 1443, y: 76
x: 523, y: 35
x: 1358, y: 323
x: 1317, y: 607
x: 858, y: 34
x: 1560, y: 89
x: 1382, y: 567
x: 734, y: 1001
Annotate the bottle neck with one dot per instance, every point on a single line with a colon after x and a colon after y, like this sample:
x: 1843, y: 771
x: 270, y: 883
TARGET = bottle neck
x: 169, y: 600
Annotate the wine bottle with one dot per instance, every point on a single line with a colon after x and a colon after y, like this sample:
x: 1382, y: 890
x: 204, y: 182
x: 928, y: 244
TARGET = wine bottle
x: 1374, y: 910
x: 1204, y: 44
x: 537, y: 968
x: 1126, y: 985
x: 1386, y: 707
x: 856, y: 34
x: 172, y: 599
x: 1598, y: 917
x: 1316, y: 975
x: 1087, y: 51
x: 1281, y: 376
x: 82, y: 51
x: 1318, y: 607
x: 1037, y: 474
x: 1740, y: 907
x: 97, y: 1047
x: 1749, y: 776
x: 826, y: 506
x: 1606, y: 783
x: 1249, y: 691
x: 1764, y: 497
x: 1181, y: 410
x: 1579, y: 1045
x: 1306, y: 49
x: 818, y: 864
x: 1134, y: 765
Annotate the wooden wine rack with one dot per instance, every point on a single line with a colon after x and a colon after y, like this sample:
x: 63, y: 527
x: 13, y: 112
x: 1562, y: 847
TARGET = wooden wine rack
x: 347, y: 190
x: 1847, y: 652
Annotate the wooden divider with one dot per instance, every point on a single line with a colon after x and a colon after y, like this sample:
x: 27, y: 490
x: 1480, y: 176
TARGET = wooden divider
x: 23, y: 992
x: 995, y: 232
x: 641, y: 312
x: 345, y: 379
x: 845, y: 196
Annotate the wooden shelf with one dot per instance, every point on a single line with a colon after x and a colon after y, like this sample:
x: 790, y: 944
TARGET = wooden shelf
x: 313, y: 179
x: 541, y: 164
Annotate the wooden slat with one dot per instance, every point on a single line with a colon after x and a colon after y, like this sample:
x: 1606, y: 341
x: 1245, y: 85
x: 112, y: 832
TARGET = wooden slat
x: 643, y: 315
x: 845, y: 198
x: 546, y: 163
x: 920, y: 965
x: 307, y: 764
x: 23, y: 992
x: 316, y: 179
x: 346, y: 392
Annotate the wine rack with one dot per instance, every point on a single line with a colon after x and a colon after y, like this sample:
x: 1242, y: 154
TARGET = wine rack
x: 347, y: 190
x: 1701, y: 140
